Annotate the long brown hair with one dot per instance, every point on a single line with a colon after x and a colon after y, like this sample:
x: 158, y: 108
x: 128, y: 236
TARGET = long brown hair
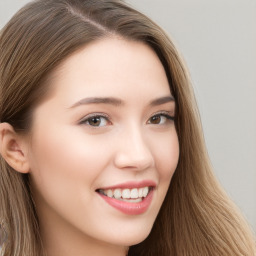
x: 196, y: 218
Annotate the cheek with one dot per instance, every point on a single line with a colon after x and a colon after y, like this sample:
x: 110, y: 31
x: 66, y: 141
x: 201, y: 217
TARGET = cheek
x: 65, y: 166
x: 166, y: 153
x: 64, y: 148
x: 62, y: 158
x: 167, y: 156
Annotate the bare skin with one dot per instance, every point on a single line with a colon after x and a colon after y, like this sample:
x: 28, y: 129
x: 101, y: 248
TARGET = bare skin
x: 107, y: 121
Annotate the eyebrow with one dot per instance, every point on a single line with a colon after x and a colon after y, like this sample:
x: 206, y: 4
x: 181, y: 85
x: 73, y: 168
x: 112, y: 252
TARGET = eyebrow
x: 98, y: 100
x: 118, y: 102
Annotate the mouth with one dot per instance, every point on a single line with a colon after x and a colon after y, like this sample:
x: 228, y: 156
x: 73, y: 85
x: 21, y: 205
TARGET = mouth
x: 131, y: 198
x: 134, y: 195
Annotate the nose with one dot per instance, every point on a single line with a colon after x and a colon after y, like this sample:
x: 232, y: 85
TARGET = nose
x: 133, y: 151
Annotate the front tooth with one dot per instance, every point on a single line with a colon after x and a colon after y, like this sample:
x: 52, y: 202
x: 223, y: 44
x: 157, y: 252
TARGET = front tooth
x: 126, y: 193
x: 134, y: 193
x: 145, y: 191
x: 141, y: 192
x: 109, y: 193
x: 117, y: 193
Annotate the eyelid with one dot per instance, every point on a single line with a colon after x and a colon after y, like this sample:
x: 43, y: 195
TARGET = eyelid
x: 165, y: 113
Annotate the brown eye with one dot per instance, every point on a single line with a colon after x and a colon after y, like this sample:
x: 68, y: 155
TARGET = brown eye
x: 160, y: 119
x: 96, y: 121
x: 155, y: 120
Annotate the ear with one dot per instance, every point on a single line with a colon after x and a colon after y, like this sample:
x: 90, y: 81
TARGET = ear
x: 13, y: 148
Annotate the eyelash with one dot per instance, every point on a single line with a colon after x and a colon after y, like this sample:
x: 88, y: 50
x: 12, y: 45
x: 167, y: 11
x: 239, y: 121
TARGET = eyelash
x: 165, y: 114
x: 89, y: 118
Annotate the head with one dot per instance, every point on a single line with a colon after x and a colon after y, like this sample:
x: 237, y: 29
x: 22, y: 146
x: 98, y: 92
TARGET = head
x: 42, y: 49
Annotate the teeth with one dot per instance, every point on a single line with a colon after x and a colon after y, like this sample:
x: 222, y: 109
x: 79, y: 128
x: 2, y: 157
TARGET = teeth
x: 126, y: 193
x: 145, y: 191
x: 117, y: 193
x: 129, y: 195
x: 137, y: 200
x: 141, y: 192
x: 109, y: 193
x: 134, y: 193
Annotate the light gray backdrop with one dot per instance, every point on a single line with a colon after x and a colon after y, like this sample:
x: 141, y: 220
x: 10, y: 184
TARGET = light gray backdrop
x: 218, y: 41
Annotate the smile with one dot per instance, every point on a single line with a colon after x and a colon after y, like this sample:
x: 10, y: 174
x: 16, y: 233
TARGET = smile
x: 132, y: 198
x: 134, y: 195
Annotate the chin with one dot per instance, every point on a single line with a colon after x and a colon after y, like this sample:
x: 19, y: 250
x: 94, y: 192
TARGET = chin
x: 132, y: 238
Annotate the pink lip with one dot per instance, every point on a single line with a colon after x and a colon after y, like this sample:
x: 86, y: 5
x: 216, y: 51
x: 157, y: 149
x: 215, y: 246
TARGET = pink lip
x: 130, y: 208
x: 127, y: 207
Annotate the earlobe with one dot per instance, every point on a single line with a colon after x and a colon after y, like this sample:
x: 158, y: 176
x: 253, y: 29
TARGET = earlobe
x: 13, y: 148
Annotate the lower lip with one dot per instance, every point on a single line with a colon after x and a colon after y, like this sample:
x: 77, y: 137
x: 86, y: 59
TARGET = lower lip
x: 130, y: 208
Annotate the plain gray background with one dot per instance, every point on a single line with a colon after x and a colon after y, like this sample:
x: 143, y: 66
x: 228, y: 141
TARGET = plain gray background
x: 218, y: 41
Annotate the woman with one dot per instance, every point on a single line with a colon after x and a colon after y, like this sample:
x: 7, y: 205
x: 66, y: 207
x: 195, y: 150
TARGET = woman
x: 102, y: 148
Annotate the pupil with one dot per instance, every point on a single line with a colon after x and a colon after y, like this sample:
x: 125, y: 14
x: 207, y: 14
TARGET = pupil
x: 155, y: 119
x: 94, y: 121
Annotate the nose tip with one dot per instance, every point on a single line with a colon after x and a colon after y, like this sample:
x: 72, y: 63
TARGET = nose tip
x: 138, y: 162
x: 133, y: 153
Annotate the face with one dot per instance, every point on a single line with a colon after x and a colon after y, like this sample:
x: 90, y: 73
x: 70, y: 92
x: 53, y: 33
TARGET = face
x: 103, y: 145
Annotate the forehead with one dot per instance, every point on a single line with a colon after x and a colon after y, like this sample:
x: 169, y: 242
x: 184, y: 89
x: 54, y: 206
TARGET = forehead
x: 111, y: 65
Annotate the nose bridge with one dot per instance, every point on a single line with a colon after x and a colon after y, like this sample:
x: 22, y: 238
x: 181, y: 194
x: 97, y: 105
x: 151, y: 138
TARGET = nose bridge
x: 133, y: 150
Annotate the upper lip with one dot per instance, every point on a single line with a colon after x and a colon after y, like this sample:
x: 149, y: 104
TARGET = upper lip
x: 132, y: 184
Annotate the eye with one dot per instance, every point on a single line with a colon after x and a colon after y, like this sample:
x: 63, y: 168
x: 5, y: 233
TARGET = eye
x: 96, y: 121
x: 161, y: 118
